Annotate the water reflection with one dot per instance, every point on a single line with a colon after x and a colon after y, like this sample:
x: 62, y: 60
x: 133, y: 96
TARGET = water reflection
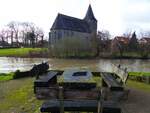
x: 11, y: 64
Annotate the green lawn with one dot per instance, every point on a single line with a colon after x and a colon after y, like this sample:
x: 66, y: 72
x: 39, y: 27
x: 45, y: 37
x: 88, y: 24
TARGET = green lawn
x: 17, y: 97
x: 6, y: 77
x: 20, y: 52
x: 139, y: 73
x: 138, y: 85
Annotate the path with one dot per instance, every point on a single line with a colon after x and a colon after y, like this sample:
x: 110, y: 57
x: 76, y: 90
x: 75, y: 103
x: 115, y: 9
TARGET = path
x: 138, y: 102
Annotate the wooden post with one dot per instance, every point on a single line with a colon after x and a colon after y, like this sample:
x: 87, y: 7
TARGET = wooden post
x: 147, y: 79
x: 99, y: 100
x: 61, y: 97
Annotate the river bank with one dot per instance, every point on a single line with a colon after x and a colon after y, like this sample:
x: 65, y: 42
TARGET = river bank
x: 45, y: 53
x: 24, y: 52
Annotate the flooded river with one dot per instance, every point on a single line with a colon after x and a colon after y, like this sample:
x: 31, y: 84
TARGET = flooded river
x: 8, y: 64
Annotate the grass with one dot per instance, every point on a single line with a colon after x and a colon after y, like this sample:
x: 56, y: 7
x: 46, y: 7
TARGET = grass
x: 139, y: 73
x: 20, y: 52
x: 138, y: 85
x: 17, y: 97
x: 6, y: 77
x: 129, y: 55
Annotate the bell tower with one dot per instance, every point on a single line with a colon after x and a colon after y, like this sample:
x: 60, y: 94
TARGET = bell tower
x: 91, y: 20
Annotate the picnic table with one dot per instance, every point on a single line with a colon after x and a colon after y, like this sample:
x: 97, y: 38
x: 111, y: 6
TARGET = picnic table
x: 77, y: 79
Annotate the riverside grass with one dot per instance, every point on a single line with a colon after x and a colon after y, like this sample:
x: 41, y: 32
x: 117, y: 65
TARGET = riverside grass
x: 6, y: 76
x: 20, y: 52
x: 138, y: 85
x: 139, y: 73
x: 17, y: 97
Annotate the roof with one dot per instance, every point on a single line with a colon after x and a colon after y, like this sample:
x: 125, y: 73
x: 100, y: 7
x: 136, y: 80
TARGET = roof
x: 70, y: 23
x: 123, y: 39
x: 89, y: 14
x: 146, y: 39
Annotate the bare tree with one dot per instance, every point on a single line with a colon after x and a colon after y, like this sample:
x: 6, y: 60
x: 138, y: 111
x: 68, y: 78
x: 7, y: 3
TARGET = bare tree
x: 104, y: 40
x: 104, y: 35
x: 127, y: 34
x: 39, y: 34
x: 14, y: 28
x: 4, y: 33
x: 31, y: 28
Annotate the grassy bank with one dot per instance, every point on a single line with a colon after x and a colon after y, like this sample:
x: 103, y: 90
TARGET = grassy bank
x: 138, y: 85
x: 139, y: 73
x: 23, y: 52
x: 17, y: 97
x: 6, y: 77
x: 130, y: 55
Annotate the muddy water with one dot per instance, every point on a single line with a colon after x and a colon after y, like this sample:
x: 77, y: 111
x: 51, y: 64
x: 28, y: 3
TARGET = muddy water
x: 8, y: 64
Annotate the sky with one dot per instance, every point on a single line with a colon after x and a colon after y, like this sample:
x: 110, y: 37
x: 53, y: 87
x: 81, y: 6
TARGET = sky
x: 116, y: 16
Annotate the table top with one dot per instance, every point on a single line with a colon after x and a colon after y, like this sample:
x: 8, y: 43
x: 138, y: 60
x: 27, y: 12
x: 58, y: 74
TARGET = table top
x: 74, y: 75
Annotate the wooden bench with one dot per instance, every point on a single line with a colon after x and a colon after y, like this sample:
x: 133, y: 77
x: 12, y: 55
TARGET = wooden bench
x: 115, y: 81
x: 54, y: 106
x: 46, y: 79
x: 108, y: 80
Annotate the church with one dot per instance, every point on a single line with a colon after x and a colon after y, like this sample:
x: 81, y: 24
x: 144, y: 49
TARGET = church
x: 66, y: 26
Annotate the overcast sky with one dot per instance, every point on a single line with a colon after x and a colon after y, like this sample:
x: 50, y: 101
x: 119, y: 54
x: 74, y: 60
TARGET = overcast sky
x: 117, y: 16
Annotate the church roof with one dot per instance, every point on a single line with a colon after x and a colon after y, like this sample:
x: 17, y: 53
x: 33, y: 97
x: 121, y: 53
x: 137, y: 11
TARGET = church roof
x: 90, y: 14
x: 70, y: 23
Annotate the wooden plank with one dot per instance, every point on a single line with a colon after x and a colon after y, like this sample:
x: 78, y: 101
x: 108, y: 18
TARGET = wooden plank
x: 68, y: 75
x: 121, y: 72
x: 61, y: 97
x: 110, y: 107
x: 44, y: 80
x: 74, y: 85
x: 70, y: 105
x: 48, y: 76
x: 53, y: 93
x: 47, y: 92
x: 111, y: 82
x: 81, y: 94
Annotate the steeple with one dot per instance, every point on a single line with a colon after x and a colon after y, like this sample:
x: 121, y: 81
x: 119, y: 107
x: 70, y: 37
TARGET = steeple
x: 91, y: 20
x: 89, y: 14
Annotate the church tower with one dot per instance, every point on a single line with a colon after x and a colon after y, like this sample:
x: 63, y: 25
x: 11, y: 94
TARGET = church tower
x: 91, y: 20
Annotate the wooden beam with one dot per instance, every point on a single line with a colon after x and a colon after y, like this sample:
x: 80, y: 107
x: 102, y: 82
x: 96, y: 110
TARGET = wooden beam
x: 70, y: 105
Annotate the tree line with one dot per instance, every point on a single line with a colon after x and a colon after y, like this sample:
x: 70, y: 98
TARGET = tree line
x: 17, y: 34
x: 127, y: 46
x: 101, y: 45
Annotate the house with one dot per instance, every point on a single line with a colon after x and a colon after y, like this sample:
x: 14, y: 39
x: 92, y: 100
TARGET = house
x: 4, y: 44
x: 122, y: 39
x: 144, y: 40
x: 119, y: 42
x: 66, y: 26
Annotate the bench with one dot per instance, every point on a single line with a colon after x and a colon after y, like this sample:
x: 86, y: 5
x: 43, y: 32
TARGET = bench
x: 108, y: 80
x: 46, y: 79
x: 54, y: 106
x: 115, y: 81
